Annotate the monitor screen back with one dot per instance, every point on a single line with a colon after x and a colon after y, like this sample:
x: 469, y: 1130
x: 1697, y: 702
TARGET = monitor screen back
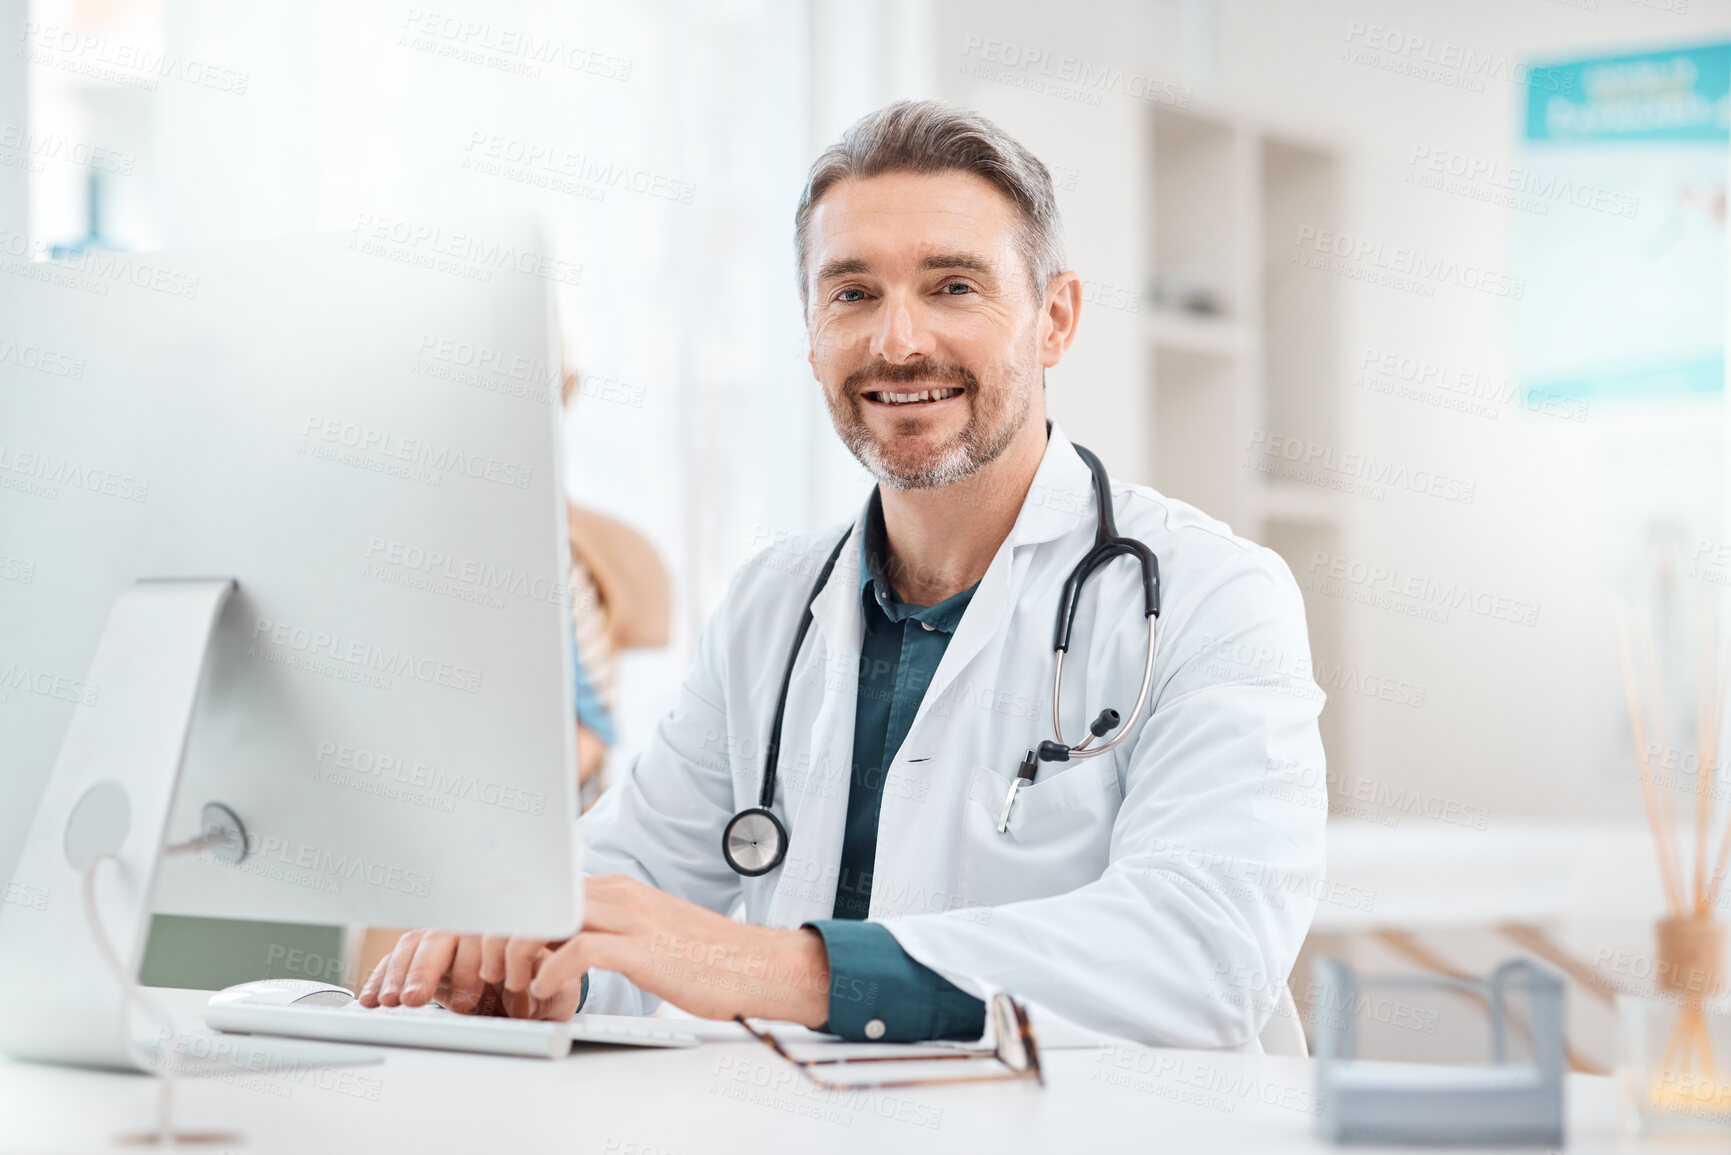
x: 361, y: 429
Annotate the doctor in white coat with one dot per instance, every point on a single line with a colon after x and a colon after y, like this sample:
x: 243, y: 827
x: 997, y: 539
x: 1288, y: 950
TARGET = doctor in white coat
x: 1158, y: 893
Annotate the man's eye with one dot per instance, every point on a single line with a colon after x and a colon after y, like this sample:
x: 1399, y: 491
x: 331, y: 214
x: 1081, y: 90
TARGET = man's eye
x: 851, y: 295
x: 957, y: 288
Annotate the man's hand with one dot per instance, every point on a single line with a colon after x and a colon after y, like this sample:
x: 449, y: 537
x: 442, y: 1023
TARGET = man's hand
x: 471, y: 974
x: 700, y: 961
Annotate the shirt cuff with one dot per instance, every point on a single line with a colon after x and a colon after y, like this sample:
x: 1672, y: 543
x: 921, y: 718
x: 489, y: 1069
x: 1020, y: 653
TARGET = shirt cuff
x: 878, y: 993
x: 583, y: 992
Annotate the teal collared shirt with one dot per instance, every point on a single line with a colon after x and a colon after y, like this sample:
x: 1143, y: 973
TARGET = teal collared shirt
x: 872, y: 979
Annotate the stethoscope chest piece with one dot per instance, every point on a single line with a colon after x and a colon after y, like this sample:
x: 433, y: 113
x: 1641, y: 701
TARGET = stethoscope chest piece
x: 754, y: 842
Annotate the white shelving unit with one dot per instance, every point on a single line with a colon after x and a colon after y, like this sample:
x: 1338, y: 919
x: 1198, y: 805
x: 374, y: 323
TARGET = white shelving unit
x: 1245, y: 343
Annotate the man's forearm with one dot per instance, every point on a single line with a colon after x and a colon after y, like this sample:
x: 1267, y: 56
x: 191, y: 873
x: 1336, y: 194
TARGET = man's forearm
x: 807, y: 961
x: 763, y: 973
x: 697, y: 959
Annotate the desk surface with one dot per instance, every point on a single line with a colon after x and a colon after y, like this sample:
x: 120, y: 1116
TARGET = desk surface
x: 713, y: 1098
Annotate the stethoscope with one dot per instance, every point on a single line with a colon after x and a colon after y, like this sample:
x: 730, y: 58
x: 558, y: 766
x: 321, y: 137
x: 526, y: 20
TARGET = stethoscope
x: 755, y: 842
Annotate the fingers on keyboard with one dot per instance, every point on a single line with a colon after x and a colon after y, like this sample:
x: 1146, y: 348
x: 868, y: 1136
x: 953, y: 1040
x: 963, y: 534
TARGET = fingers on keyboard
x: 390, y: 994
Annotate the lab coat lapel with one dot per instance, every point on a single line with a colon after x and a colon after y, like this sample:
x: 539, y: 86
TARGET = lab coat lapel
x: 815, y: 783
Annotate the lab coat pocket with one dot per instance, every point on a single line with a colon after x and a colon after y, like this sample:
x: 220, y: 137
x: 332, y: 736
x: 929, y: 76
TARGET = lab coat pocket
x: 1059, y: 834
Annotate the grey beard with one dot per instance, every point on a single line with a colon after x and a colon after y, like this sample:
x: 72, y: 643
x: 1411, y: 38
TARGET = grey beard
x: 962, y: 457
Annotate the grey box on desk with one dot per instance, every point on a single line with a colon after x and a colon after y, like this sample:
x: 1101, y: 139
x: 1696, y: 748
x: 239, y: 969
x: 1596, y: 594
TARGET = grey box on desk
x: 1368, y: 1101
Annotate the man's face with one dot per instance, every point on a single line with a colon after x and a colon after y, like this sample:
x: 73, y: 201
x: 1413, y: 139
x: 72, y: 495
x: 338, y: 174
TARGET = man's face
x: 924, y: 329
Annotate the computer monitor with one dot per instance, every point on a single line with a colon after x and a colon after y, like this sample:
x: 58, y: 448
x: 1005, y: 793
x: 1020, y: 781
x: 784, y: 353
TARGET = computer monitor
x: 360, y: 431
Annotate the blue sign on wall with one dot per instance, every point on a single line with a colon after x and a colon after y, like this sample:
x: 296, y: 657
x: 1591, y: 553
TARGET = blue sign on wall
x: 1684, y: 94
x: 1623, y: 247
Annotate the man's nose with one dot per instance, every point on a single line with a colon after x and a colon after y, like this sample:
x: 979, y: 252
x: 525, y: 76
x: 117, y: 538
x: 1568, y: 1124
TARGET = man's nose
x: 901, y: 333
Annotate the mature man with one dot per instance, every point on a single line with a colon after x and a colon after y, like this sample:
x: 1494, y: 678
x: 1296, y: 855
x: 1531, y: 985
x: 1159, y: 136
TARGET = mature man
x: 1159, y: 892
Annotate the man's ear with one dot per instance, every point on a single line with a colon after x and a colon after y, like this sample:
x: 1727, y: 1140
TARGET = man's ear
x: 810, y: 345
x: 1059, y: 316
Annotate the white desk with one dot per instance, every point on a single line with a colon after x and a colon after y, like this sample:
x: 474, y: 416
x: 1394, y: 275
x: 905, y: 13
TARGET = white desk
x: 715, y: 1098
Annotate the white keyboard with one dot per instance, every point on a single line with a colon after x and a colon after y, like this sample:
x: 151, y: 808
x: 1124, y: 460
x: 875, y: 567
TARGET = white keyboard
x: 438, y: 1029
x: 630, y: 1031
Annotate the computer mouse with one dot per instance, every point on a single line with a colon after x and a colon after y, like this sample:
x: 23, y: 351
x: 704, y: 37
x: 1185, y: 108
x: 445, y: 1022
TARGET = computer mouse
x: 285, y: 992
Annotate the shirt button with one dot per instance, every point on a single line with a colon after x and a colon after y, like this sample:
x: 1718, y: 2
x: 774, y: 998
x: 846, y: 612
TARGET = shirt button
x: 874, y: 1029
x: 928, y: 625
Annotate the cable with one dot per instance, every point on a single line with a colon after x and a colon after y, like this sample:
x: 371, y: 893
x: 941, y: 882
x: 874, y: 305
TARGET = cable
x: 132, y: 995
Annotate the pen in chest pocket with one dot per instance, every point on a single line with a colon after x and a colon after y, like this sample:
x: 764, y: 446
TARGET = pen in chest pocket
x: 1024, y: 775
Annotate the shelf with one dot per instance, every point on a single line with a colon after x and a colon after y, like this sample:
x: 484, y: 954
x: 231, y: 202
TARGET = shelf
x: 1196, y: 232
x: 1301, y: 307
x: 1227, y: 201
x: 1196, y: 333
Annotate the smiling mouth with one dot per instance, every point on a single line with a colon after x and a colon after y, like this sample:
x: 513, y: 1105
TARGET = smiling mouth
x: 914, y: 397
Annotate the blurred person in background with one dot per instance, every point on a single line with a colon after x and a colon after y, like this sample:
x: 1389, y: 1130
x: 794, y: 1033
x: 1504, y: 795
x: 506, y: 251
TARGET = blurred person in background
x: 619, y: 601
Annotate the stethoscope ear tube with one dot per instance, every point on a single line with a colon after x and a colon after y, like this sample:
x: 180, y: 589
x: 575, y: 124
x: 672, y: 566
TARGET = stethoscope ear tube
x: 772, y: 752
x: 1102, y: 553
x: 1061, y: 751
x: 1107, y: 546
x: 755, y: 841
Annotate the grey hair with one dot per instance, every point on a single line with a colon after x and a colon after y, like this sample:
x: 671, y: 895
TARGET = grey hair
x: 930, y: 137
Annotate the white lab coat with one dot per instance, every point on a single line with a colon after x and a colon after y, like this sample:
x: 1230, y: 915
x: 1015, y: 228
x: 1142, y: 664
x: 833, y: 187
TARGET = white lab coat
x: 1158, y: 893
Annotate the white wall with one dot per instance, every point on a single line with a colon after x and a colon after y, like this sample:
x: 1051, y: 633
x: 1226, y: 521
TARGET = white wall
x: 1517, y: 720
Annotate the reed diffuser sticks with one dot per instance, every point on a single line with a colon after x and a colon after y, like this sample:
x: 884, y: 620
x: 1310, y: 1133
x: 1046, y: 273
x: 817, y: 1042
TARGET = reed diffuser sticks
x: 1645, y: 702
x: 1690, y: 940
x: 1658, y: 816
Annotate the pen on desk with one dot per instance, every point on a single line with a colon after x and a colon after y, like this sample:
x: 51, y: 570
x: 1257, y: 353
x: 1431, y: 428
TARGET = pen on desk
x: 1024, y: 775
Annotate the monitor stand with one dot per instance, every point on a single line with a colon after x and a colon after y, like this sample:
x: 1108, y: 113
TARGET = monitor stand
x: 109, y: 798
